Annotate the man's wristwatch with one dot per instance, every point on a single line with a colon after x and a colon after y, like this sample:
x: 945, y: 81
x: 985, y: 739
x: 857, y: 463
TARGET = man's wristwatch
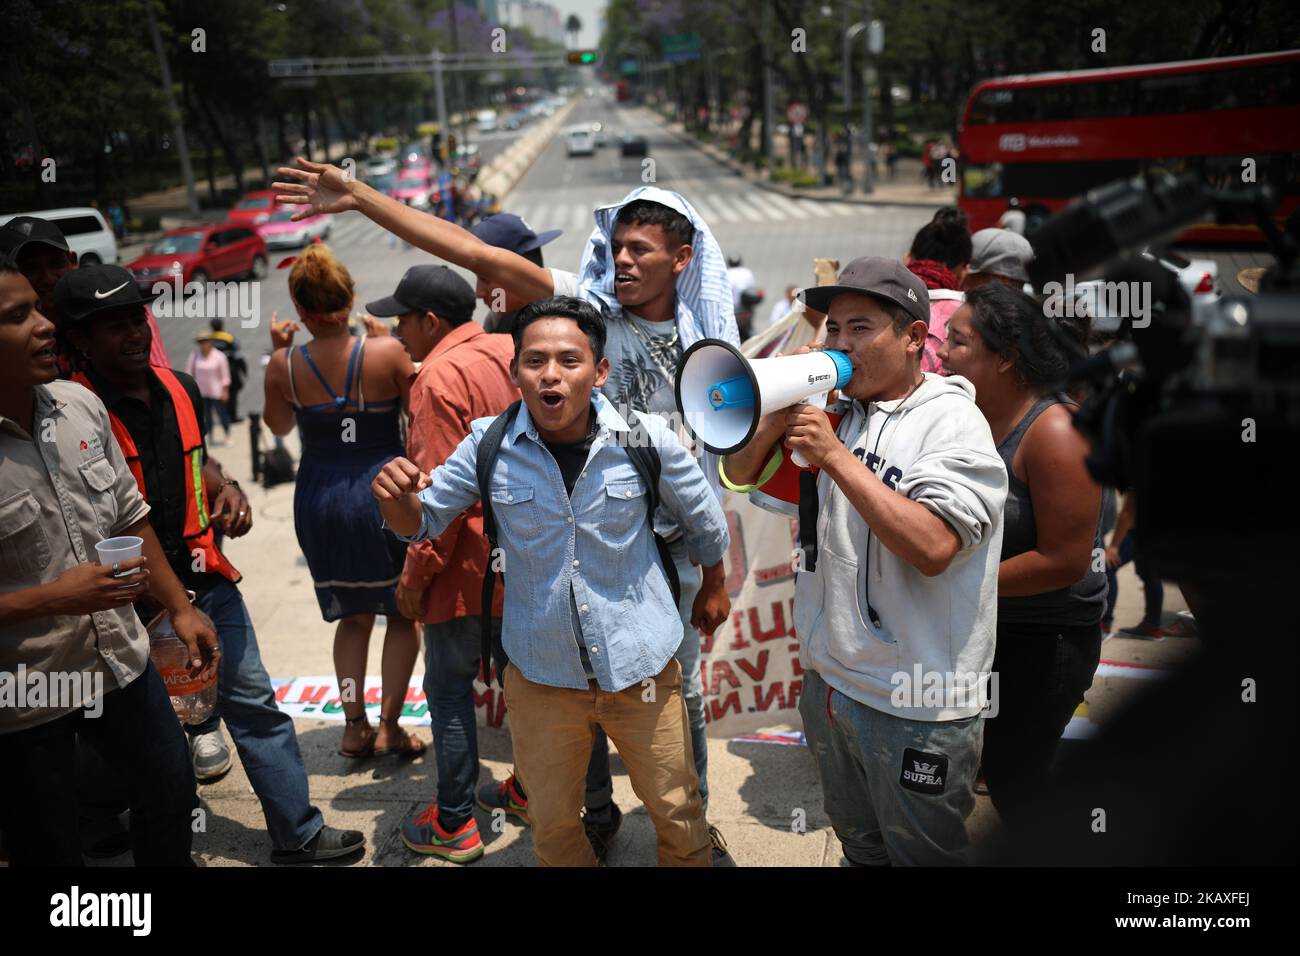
x: 228, y: 481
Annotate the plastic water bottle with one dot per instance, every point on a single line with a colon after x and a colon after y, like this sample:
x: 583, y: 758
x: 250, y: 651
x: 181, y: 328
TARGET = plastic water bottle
x: 193, y: 698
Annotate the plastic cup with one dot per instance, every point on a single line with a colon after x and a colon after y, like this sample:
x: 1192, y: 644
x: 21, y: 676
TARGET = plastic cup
x: 114, y: 550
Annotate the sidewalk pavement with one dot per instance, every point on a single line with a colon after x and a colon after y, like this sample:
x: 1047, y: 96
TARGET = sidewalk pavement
x: 756, y: 790
x: 906, y: 189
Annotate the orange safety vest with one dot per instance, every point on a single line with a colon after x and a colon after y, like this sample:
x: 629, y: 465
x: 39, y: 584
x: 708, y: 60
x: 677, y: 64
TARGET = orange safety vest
x: 198, y: 529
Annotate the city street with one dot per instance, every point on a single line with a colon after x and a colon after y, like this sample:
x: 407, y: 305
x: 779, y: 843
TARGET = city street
x: 756, y: 787
x: 777, y: 238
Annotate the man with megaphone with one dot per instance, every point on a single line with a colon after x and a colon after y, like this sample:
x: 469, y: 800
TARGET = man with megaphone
x: 897, y: 582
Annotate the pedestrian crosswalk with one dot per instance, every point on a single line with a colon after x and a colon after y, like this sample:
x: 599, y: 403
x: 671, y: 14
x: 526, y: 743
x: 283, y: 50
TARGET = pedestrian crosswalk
x: 734, y: 208
x: 737, y: 208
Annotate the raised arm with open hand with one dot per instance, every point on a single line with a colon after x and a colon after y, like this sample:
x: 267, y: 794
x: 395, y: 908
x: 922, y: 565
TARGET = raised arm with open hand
x: 323, y: 187
x: 326, y: 188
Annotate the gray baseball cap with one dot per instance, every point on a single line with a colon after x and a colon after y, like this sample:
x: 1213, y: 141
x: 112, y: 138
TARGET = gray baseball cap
x: 1001, y: 252
x: 879, y: 277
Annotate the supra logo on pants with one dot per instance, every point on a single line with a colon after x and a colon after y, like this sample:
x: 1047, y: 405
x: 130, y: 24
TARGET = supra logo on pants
x: 923, y: 772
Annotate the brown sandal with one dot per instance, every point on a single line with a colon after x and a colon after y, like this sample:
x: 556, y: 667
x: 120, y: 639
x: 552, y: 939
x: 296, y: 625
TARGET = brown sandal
x: 368, y: 748
x: 410, y: 746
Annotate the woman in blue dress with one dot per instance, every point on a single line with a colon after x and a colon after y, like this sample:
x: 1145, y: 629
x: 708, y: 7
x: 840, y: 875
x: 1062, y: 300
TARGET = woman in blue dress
x: 346, y: 396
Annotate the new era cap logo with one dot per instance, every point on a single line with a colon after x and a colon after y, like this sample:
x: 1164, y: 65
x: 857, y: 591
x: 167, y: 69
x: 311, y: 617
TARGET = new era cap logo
x: 105, y: 295
x: 912, y: 295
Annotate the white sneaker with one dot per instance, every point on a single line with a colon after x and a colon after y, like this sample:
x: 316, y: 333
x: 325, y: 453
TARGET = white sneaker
x: 211, y: 756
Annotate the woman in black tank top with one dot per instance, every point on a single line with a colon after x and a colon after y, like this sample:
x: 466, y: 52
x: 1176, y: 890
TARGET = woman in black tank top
x: 1051, y: 582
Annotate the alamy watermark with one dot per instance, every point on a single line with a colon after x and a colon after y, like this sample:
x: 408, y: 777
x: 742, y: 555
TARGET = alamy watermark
x: 54, y: 690
x: 175, y: 299
x: 1096, y: 299
x: 953, y: 690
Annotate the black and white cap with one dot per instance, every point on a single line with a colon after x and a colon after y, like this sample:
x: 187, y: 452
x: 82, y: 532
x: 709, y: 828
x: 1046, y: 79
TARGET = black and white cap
x: 90, y: 289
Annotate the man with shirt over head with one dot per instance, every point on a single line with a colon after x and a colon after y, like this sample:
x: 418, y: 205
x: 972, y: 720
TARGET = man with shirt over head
x: 653, y: 269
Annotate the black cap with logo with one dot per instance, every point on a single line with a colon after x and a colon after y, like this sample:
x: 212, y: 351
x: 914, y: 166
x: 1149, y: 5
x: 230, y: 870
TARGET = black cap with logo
x: 433, y: 289
x: 83, y: 292
x: 877, y: 276
x: 21, y: 230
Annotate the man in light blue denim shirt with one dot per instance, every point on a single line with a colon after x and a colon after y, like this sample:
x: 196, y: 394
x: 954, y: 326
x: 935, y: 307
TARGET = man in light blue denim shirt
x: 590, y: 625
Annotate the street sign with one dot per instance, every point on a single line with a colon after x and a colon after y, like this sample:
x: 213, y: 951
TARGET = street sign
x: 681, y: 47
x: 796, y: 113
x: 630, y: 67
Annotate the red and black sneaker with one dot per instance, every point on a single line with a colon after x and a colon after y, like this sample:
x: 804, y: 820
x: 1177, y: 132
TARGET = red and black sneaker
x: 504, y: 796
x: 424, y: 834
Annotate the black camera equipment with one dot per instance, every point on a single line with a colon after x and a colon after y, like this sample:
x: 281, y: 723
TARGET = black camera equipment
x: 1200, y: 417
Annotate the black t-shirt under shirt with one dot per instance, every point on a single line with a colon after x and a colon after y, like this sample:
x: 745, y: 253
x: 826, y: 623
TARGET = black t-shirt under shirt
x: 572, y: 457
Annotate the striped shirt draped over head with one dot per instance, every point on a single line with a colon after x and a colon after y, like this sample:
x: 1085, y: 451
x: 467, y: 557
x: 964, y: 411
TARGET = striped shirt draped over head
x: 705, y: 307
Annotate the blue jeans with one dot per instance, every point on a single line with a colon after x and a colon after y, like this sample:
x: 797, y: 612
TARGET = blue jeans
x: 263, y: 734
x: 451, y: 662
x: 215, y: 406
x: 885, y: 808
x: 688, y: 656
x: 137, y: 734
x: 1153, y: 591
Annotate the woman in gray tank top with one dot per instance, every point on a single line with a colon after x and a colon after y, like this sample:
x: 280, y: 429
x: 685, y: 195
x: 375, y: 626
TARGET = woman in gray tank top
x: 1051, y: 585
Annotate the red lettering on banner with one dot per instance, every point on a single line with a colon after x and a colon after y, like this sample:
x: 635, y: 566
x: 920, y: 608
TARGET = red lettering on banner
x: 755, y: 672
x: 796, y: 687
x: 493, y: 704
x: 775, y: 691
x: 720, y: 708
x: 281, y: 693
x: 375, y: 695
x: 738, y: 643
x: 778, y: 628
x: 777, y: 572
x: 312, y: 695
x: 414, y: 695
x: 722, y: 671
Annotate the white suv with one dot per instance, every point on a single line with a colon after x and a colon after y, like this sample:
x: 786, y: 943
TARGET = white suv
x: 88, y: 235
x: 579, y: 141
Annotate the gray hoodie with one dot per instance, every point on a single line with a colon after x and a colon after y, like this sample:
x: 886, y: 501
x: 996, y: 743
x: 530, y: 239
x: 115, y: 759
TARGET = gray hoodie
x: 936, y: 448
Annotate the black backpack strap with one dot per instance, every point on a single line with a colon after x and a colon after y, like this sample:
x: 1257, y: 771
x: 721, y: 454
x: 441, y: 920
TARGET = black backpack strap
x: 808, y: 507
x: 488, y: 447
x: 646, y: 461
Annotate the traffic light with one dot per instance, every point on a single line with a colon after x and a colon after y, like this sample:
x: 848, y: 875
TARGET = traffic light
x: 583, y: 57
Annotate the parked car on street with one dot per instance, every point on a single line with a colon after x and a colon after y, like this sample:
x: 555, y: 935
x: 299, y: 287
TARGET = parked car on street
x: 633, y: 144
x: 281, y: 232
x: 579, y: 141
x: 213, y: 251
x: 88, y: 235
x: 253, y: 208
x: 413, y: 185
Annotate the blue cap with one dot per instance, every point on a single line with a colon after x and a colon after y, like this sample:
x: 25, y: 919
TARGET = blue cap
x: 507, y: 231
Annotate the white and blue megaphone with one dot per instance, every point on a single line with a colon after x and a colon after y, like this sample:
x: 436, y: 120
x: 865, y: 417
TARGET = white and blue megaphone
x: 721, y: 394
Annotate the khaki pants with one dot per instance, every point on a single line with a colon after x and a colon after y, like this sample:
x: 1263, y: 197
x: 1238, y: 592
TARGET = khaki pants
x: 552, y: 729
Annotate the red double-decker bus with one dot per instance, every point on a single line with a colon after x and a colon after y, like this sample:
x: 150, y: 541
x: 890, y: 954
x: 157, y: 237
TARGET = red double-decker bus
x: 1046, y: 138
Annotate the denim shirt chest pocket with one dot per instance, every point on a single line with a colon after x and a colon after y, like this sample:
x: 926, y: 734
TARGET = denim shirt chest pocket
x: 625, y: 506
x: 100, y: 479
x: 519, y: 528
